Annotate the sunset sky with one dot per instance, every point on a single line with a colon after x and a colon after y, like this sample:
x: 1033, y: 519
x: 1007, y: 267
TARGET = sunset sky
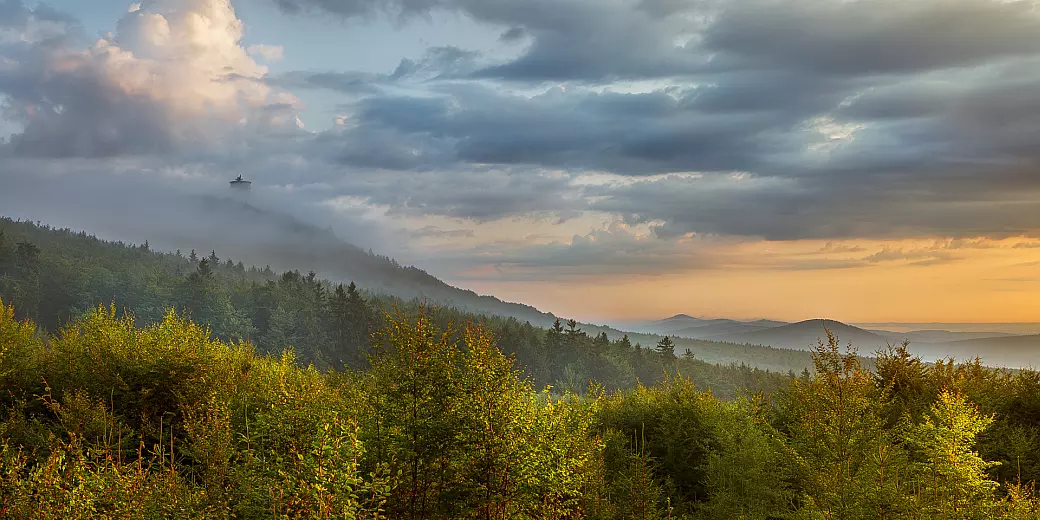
x: 864, y: 160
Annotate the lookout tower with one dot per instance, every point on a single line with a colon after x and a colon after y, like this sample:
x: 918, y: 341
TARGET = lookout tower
x: 240, y: 185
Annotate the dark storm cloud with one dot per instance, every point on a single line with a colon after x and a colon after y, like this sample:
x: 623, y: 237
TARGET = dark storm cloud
x: 871, y: 118
x: 871, y: 36
x: 570, y: 39
x: 805, y: 118
x: 642, y: 133
x: 438, y: 63
x: 600, y: 40
x: 513, y: 34
x: 789, y: 209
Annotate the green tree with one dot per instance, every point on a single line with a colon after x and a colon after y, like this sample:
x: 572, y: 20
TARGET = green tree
x: 29, y: 287
x: 952, y: 478
x: 666, y: 348
x: 847, y: 465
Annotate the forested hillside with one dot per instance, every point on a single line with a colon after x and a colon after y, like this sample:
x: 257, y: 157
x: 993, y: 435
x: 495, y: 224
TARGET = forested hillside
x: 204, y: 388
x: 53, y: 276
x: 261, y: 234
x: 109, y: 419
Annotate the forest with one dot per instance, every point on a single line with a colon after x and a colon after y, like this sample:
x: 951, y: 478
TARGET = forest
x: 142, y: 384
x: 53, y: 276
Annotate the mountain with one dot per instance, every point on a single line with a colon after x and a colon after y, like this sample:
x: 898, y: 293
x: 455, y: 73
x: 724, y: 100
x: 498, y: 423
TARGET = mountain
x: 684, y: 325
x: 240, y: 230
x: 805, y: 333
x: 719, y: 328
x: 1017, y: 329
x: 767, y: 323
x: 998, y: 347
x: 677, y: 322
x: 1009, y: 351
x: 936, y: 336
x: 80, y: 270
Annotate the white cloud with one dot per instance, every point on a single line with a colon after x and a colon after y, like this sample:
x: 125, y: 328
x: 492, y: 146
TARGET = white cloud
x: 267, y: 52
x: 174, y: 76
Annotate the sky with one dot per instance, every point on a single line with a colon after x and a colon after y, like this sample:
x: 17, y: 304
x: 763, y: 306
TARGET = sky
x: 861, y: 160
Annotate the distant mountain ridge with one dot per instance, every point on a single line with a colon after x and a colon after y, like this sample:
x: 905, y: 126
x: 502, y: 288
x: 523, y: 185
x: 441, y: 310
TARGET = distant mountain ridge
x: 994, y: 348
x: 684, y: 325
x: 1011, y: 351
x: 804, y: 334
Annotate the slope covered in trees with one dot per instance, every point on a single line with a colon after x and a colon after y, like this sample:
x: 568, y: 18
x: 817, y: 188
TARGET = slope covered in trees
x: 53, y: 276
x: 109, y: 419
x: 258, y: 233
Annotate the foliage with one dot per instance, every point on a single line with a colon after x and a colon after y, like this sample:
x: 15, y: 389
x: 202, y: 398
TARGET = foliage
x: 55, y: 276
x: 220, y: 391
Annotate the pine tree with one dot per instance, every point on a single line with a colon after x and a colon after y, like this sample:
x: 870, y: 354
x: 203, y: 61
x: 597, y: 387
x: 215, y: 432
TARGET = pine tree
x: 193, y: 257
x: 666, y: 348
x: 573, y: 333
x: 204, y: 271
x: 6, y: 254
x: 624, y: 344
x: 553, y: 344
x: 30, y: 285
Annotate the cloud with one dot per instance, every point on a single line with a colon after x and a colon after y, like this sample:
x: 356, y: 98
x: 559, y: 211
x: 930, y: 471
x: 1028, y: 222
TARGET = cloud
x: 174, y: 77
x: 917, y: 256
x: 266, y: 52
x: 738, y: 119
x: 600, y: 40
x: 612, y: 250
x: 513, y: 34
x: 833, y: 248
x: 436, y: 232
x: 871, y: 37
x: 475, y: 195
x: 638, y: 133
x: 786, y: 208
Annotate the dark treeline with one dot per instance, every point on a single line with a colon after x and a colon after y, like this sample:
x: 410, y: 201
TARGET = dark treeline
x: 53, y: 276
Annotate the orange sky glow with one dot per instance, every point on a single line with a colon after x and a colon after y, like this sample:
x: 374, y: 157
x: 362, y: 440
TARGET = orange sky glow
x: 914, y: 280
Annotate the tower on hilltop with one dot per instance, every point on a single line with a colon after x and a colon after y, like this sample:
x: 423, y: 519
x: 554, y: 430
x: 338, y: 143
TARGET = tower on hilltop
x: 240, y: 184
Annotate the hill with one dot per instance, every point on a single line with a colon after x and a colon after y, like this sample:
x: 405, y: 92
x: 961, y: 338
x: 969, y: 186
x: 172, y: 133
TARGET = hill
x: 805, y: 333
x: 687, y: 326
x: 937, y: 336
x: 284, y: 242
x: 241, y: 230
x: 714, y: 330
x: 65, y: 273
x: 1009, y: 351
